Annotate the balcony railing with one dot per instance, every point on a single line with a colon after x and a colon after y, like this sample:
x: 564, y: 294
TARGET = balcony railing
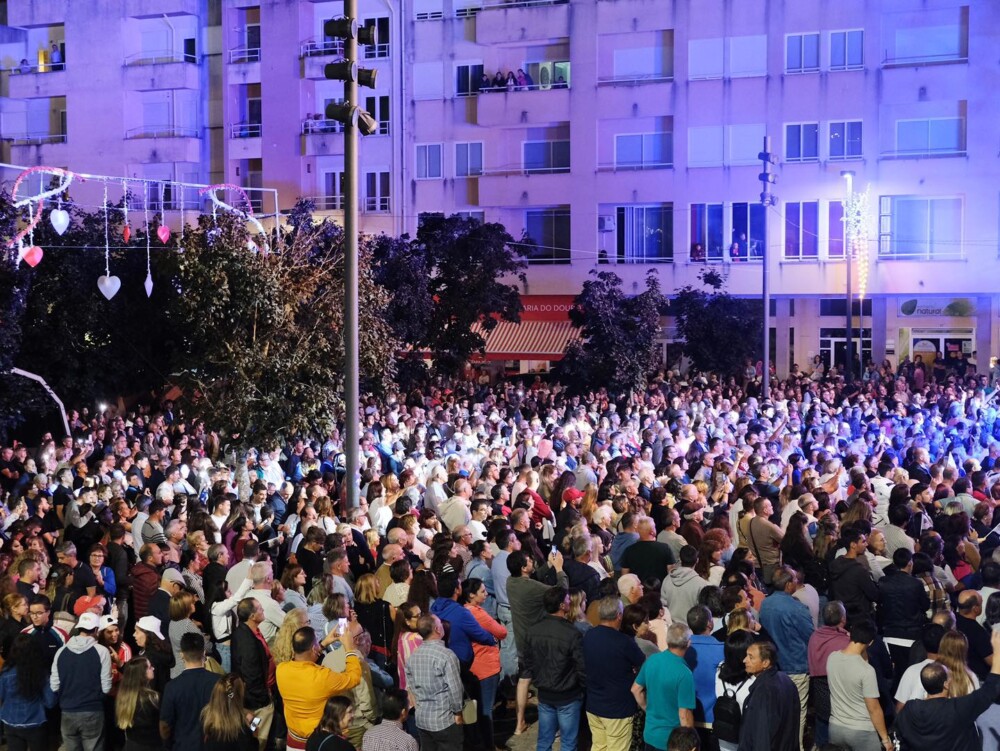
x: 376, y: 51
x: 902, y: 62
x: 521, y: 4
x: 484, y: 89
x: 634, y: 79
x: 928, y: 153
x: 25, y: 69
x: 159, y: 57
x: 312, y: 126
x: 314, y: 48
x: 327, y: 203
x: 244, y: 130
x: 35, y: 139
x: 161, y: 131
x: 245, y: 55
x: 377, y: 204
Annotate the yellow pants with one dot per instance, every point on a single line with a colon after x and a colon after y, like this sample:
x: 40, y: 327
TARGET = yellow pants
x: 610, y: 735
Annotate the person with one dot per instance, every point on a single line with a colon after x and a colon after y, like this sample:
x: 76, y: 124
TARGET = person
x: 825, y: 640
x: 435, y: 684
x: 182, y: 609
x: 647, y: 558
x: 331, y: 733
x: 850, y: 581
x: 732, y: 681
x: 764, y: 536
x: 389, y: 734
x: 970, y: 606
x: 224, y: 723
x: 186, y: 695
x: 55, y: 57
x: 151, y: 645
x: 553, y: 657
x: 902, y: 607
x: 856, y: 718
x: 51, y: 637
x: 464, y: 630
x: 790, y: 626
x: 25, y: 695
x: 252, y: 662
x: 486, y: 657
x: 305, y: 686
x: 15, y: 607
x: 703, y: 657
x: 611, y: 660
x: 771, y: 713
x: 681, y: 587
x: 137, y: 707
x: 943, y: 723
x: 664, y: 688
x: 81, y: 678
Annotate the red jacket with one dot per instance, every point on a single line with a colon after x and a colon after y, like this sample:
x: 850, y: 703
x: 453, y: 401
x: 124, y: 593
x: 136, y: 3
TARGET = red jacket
x: 145, y: 582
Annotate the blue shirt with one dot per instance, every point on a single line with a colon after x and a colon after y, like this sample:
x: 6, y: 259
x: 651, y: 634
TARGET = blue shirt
x: 669, y: 688
x: 465, y: 629
x: 612, y: 660
x: 621, y: 542
x: 790, y: 625
x: 703, y: 657
x: 500, y: 576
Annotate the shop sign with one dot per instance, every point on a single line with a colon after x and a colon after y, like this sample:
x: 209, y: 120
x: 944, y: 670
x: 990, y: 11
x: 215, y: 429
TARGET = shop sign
x: 937, y: 307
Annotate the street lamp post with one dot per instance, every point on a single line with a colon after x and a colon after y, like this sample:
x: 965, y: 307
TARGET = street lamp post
x: 848, y: 176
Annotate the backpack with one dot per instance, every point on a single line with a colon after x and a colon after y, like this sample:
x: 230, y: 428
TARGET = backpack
x: 728, y: 715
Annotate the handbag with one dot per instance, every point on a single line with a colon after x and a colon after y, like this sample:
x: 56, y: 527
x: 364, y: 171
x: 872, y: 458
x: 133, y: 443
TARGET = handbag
x: 212, y: 666
x: 470, y: 711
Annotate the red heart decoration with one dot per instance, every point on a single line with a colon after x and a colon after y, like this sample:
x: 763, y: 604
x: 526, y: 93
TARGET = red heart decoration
x: 163, y: 232
x: 33, y: 256
x: 127, y: 233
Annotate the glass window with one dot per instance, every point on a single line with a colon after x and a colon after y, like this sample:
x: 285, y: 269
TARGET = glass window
x: 802, y: 142
x: 748, y: 238
x: 801, y: 53
x: 706, y: 232
x: 546, y: 156
x: 937, y: 136
x: 847, y: 50
x: 467, y: 79
x: 468, y: 159
x: 644, y: 150
x: 645, y: 234
x: 845, y: 140
x: 918, y: 227
x: 377, y: 192
x: 428, y: 161
x: 548, y: 235
x: 801, y: 230
x: 835, y: 230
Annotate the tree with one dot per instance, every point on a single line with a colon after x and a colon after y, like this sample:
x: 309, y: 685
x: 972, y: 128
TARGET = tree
x: 446, y: 280
x: 617, y: 350
x: 719, y: 331
x: 263, y: 354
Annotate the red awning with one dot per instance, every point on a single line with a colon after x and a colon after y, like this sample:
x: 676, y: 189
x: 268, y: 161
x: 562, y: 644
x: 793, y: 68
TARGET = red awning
x: 528, y: 340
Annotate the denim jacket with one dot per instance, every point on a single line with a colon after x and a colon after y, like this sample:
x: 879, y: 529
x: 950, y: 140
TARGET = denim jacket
x: 17, y: 711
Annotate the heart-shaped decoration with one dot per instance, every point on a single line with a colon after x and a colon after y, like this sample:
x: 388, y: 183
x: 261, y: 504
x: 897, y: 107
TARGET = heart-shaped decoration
x: 127, y: 233
x: 109, y: 285
x: 163, y: 232
x: 252, y: 246
x: 148, y: 285
x: 32, y: 255
x: 59, y: 219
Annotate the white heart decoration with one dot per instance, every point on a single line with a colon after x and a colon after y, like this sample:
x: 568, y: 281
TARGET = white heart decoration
x: 59, y: 219
x: 148, y: 285
x: 109, y: 285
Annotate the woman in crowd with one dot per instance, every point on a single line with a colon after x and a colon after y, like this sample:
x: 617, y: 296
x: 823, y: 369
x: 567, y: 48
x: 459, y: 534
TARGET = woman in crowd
x: 331, y: 733
x: 281, y: 647
x: 103, y: 575
x: 137, y: 707
x: 374, y: 616
x: 25, y: 695
x: 486, y: 657
x: 151, y: 644
x: 954, y: 655
x: 224, y: 722
x: 110, y: 637
x: 15, y: 610
x: 182, y: 608
x: 293, y: 579
x: 405, y: 637
x: 733, y: 679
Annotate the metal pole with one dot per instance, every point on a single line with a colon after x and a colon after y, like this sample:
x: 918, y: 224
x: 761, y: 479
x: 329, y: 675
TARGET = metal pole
x: 848, y: 258
x: 765, y: 388
x: 351, y: 343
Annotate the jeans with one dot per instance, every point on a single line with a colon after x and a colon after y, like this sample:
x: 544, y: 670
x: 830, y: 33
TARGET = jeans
x: 508, y: 647
x: 83, y: 731
x: 225, y: 656
x: 566, y: 718
x: 26, y: 739
x: 487, y: 695
x: 857, y: 740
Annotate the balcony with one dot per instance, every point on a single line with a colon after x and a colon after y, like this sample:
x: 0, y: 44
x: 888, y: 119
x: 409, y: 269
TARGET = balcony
x: 322, y: 137
x: 36, y: 82
x: 327, y: 203
x: 519, y: 108
x: 148, y: 71
x: 653, y: 96
x: 926, y: 153
x: 160, y: 8
x: 499, y: 188
x: 954, y: 58
x: 244, y: 65
x: 163, y: 144
x: 376, y: 205
x: 38, y: 148
x: 504, y: 23
x: 30, y: 13
x: 316, y: 56
x: 244, y: 141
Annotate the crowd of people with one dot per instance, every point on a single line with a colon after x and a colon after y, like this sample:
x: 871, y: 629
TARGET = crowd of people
x: 687, y: 567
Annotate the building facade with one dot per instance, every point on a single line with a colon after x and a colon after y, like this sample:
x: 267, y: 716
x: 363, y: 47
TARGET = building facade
x: 626, y: 139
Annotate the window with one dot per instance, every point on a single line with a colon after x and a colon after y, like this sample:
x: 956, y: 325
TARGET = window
x: 645, y: 234
x: 427, y: 10
x: 333, y: 192
x: 835, y: 230
x: 705, y: 58
x: 547, y: 235
x: 428, y: 161
x: 425, y: 216
x: 478, y: 216
x: 706, y: 146
x: 468, y: 159
x: 944, y: 135
x: 745, y: 143
x: 747, y: 56
x: 549, y: 75
x: 801, y: 53
x: 634, y: 63
x: 802, y: 230
x: 381, y: 47
x: 847, y: 50
x: 802, y: 142
x: 641, y: 150
x: 918, y: 227
x: 845, y: 140
x: 378, y: 107
x: 837, y: 307
x: 748, y: 223
x: 932, y: 36
x: 467, y: 79
x: 706, y: 232
x: 377, y: 192
x: 546, y: 156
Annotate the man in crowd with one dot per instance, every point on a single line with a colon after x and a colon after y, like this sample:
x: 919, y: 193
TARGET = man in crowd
x: 771, y: 714
x: 827, y: 639
x: 665, y: 689
x: 856, y: 718
x: 186, y: 696
x: 435, y: 685
x: 81, y: 678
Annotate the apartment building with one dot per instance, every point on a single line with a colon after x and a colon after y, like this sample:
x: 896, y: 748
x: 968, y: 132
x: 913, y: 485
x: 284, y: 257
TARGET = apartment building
x: 630, y: 142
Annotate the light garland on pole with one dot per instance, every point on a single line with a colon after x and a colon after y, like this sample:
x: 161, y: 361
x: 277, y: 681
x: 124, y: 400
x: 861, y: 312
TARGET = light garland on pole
x: 59, y: 218
x: 856, y: 228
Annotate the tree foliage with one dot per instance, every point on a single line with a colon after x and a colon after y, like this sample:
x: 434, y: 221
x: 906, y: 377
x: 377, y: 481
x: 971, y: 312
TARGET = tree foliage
x: 263, y: 353
x: 450, y: 277
x: 719, y: 331
x: 618, y: 334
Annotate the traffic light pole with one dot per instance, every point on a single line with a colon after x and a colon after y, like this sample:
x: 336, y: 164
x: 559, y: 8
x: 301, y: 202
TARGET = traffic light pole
x: 352, y: 425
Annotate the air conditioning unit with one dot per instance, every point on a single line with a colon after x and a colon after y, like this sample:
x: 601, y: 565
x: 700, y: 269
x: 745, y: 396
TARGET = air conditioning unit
x: 606, y: 223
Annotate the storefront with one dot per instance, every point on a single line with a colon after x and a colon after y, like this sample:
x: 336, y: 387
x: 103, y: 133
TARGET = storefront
x: 939, y: 327
x: 536, y: 343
